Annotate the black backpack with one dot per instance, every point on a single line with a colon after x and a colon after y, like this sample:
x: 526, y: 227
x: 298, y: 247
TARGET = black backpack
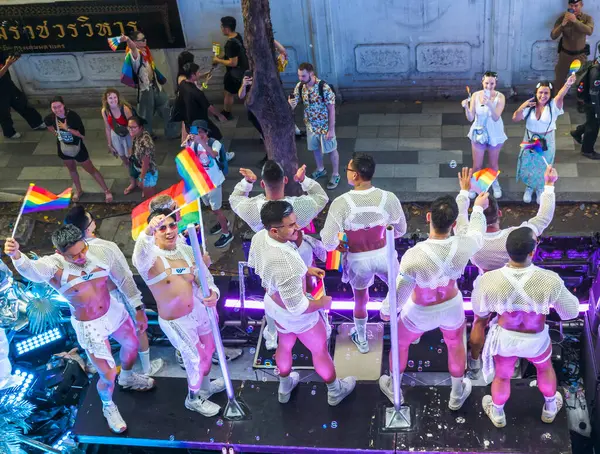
x: 321, y: 88
x: 242, y: 66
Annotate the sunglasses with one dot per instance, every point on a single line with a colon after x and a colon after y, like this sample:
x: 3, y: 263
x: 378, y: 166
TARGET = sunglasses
x: 346, y: 169
x: 141, y: 40
x: 80, y: 253
x: 170, y: 226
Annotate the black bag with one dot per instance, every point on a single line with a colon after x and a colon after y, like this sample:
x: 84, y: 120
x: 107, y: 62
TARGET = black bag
x: 320, y: 87
x: 238, y: 72
x: 177, y: 110
x: 533, y: 137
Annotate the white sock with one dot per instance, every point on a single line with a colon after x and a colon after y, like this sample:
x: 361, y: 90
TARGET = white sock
x: 126, y: 374
x: 550, y: 404
x: 457, y: 386
x: 145, y: 360
x: 497, y: 410
x: 205, y: 384
x: 285, y: 383
x: 334, y: 387
x: 361, y: 328
x: 106, y: 403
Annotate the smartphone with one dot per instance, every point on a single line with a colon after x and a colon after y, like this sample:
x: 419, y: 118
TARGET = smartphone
x: 570, y: 10
x: 487, y: 93
x: 248, y: 73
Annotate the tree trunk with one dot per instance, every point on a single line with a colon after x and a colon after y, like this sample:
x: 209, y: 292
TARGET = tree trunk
x: 266, y: 98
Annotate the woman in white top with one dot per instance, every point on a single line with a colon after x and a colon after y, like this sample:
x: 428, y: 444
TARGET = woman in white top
x: 485, y: 109
x: 540, y: 114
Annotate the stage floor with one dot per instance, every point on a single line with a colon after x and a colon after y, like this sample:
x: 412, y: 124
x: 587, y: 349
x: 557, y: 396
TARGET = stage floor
x: 307, y: 424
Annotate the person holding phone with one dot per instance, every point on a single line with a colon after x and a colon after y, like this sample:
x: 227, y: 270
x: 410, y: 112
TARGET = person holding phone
x: 572, y: 27
x: 484, y: 108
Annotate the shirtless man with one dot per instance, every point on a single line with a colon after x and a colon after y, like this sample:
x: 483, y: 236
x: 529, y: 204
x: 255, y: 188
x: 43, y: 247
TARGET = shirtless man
x: 427, y: 294
x: 521, y: 294
x: 169, y: 269
x: 84, y: 221
x: 306, y: 207
x: 283, y: 275
x: 81, y: 272
x: 493, y: 254
x: 363, y: 215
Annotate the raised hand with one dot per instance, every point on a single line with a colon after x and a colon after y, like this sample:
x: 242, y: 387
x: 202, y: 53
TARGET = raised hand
x: 248, y: 175
x: 550, y: 175
x: 482, y: 200
x: 300, y: 174
x: 464, y: 178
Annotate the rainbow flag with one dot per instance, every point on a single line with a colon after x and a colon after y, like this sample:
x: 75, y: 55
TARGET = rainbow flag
x: 334, y: 258
x: 128, y: 76
x: 534, y: 145
x: 192, y: 172
x: 114, y: 42
x: 39, y: 199
x: 189, y: 214
x: 483, y: 179
x: 319, y: 290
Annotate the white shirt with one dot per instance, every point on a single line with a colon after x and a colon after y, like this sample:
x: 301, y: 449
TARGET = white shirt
x: 209, y: 162
x: 145, y: 75
x: 545, y: 123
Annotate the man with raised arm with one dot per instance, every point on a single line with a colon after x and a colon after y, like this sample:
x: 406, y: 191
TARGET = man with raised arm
x: 427, y: 294
x: 493, y: 255
x: 363, y: 215
x: 521, y: 294
x: 283, y: 274
x: 168, y: 267
x: 81, y: 272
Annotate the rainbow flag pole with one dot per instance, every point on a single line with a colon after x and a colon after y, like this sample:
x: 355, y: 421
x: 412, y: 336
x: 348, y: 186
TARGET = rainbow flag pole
x: 201, y: 222
x: 21, y: 210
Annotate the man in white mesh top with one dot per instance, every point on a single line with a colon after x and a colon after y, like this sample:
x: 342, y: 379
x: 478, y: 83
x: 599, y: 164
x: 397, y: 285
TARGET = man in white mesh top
x: 493, y: 254
x: 521, y: 294
x: 283, y: 275
x: 427, y: 294
x: 363, y: 215
x: 168, y: 267
x: 306, y: 207
x: 80, y: 272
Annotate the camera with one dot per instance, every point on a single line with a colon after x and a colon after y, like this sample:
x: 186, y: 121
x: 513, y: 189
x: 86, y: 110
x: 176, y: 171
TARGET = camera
x: 247, y: 73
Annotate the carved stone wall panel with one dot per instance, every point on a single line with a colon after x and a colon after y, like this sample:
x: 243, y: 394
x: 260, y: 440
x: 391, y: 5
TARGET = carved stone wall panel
x: 444, y: 57
x: 55, y: 68
x: 382, y: 58
x: 103, y: 66
x: 544, y: 55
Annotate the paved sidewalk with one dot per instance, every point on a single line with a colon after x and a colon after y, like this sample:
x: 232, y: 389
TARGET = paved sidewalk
x: 416, y: 146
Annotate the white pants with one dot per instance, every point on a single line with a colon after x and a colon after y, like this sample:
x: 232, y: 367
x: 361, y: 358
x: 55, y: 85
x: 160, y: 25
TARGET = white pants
x: 288, y: 323
x: 184, y: 333
x: 360, y: 268
x: 449, y: 315
x: 93, y: 335
x: 507, y: 343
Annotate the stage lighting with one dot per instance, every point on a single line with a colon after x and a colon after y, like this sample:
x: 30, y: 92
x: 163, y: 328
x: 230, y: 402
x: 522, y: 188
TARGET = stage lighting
x: 40, y: 340
x: 23, y: 381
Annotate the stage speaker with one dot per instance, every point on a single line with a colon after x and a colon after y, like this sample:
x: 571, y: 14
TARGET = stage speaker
x: 61, y: 382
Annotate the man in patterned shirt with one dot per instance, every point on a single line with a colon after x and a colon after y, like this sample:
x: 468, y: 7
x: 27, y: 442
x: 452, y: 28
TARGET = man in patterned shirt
x: 319, y: 118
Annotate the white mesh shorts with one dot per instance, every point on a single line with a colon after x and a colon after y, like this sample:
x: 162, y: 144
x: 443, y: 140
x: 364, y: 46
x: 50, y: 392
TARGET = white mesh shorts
x: 93, y: 335
x: 360, y: 268
x: 507, y: 343
x: 448, y: 315
x: 288, y: 323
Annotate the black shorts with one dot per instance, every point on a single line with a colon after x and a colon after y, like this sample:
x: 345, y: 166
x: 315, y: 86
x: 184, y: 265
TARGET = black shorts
x: 231, y: 84
x: 82, y: 156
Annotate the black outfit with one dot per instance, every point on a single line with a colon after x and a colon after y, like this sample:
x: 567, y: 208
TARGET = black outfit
x: 589, y: 92
x: 73, y: 122
x: 196, y: 108
x: 234, y: 47
x: 11, y: 96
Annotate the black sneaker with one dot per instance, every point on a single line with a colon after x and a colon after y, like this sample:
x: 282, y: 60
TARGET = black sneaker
x: 593, y: 155
x: 577, y: 137
x: 226, y: 114
x: 215, y: 229
x: 224, y: 240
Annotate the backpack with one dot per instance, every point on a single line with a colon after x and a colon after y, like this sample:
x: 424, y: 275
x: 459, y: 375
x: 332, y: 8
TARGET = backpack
x: 321, y: 88
x: 242, y: 66
x: 222, y: 159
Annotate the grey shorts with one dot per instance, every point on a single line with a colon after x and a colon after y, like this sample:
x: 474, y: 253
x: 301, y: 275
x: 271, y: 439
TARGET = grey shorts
x: 320, y: 142
x: 214, y: 199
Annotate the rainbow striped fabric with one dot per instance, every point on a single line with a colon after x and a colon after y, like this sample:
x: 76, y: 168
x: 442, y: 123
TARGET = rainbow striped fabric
x: 128, y: 76
x: 319, y: 290
x: 334, y: 258
x: 39, y: 199
x: 533, y: 145
x: 483, y: 179
x: 193, y: 174
x: 114, y: 42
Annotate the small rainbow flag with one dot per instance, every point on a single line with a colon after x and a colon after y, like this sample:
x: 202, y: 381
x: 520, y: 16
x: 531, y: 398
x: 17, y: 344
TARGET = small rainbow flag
x: 334, y: 258
x: 189, y: 214
x: 192, y: 172
x: 575, y: 66
x: 39, y: 199
x: 319, y: 290
x: 114, y: 42
x: 534, y: 145
x: 483, y: 179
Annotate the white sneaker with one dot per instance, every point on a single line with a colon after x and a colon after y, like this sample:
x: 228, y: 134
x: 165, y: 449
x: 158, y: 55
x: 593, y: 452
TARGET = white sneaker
x: 216, y: 386
x: 456, y: 402
x: 15, y: 136
x: 155, y: 366
x: 527, y: 195
x: 488, y: 406
x: 40, y: 127
x: 363, y: 346
x: 136, y: 382
x: 270, y: 339
x: 537, y: 197
x: 472, y: 195
x: 114, y: 419
x: 548, y: 417
x: 203, y: 406
x: 387, y: 387
x: 497, y: 190
x: 346, y: 387
x: 229, y: 155
x: 284, y: 397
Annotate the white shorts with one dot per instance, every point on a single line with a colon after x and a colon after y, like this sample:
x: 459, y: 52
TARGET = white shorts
x: 120, y: 144
x: 214, y: 199
x: 449, y: 315
x: 360, y: 268
x: 184, y: 333
x: 93, y: 335
x: 288, y: 323
x: 507, y: 343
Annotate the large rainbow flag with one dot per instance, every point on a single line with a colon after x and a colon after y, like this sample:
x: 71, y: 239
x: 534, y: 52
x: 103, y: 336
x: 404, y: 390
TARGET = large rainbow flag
x: 40, y: 199
x: 192, y: 172
x: 483, y: 179
x: 334, y: 258
x: 189, y: 214
x: 128, y: 76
